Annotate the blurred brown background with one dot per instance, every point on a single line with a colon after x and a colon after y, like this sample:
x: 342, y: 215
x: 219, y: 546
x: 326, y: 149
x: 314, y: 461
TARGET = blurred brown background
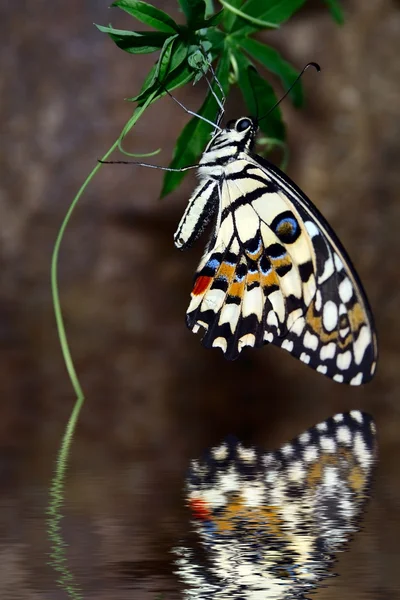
x: 155, y: 396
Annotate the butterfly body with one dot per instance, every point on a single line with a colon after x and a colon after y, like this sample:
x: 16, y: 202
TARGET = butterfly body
x: 273, y: 270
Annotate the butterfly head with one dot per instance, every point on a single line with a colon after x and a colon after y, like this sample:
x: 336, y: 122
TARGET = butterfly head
x: 247, y: 126
x: 237, y: 136
x: 244, y: 128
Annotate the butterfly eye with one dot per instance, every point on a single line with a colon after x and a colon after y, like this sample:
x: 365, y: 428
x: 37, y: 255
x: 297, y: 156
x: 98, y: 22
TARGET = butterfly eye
x: 243, y: 124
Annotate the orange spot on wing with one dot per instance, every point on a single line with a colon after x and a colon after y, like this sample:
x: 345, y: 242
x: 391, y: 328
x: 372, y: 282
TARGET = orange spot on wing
x: 199, y: 509
x: 253, y: 277
x: 226, y: 270
x: 201, y: 285
x: 270, y: 279
x: 237, y: 289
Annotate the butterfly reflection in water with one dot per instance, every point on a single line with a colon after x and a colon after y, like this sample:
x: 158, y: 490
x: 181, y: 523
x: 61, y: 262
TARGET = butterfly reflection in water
x: 271, y: 523
x: 273, y: 270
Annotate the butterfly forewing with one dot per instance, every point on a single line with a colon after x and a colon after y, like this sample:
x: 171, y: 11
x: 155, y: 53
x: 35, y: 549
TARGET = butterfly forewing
x: 273, y: 271
x: 271, y: 523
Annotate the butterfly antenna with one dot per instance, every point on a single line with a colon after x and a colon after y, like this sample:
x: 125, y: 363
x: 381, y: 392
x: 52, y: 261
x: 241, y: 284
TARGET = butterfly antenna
x: 221, y: 103
x: 218, y: 101
x: 190, y: 112
x: 150, y: 166
x: 310, y: 64
x: 215, y: 78
x: 252, y: 70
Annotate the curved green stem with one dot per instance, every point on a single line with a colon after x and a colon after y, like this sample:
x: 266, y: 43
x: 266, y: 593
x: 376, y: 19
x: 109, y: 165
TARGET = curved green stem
x: 124, y: 132
x: 58, y: 545
x: 136, y: 154
x: 271, y: 142
x: 54, y: 279
x: 249, y: 18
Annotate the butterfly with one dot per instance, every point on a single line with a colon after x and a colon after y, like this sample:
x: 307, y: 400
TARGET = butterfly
x: 273, y: 270
x: 270, y: 523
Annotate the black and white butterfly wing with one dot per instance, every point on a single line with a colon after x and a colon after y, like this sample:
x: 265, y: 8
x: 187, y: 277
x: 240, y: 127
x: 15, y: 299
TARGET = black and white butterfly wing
x: 271, y: 523
x: 274, y: 272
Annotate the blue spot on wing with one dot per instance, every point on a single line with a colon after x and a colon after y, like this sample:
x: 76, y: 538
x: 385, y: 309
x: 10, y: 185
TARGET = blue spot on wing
x: 286, y: 227
x: 290, y: 220
x: 213, y: 264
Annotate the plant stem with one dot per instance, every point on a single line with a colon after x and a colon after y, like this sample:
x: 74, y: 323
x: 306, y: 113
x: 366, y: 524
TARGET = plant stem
x: 58, y: 546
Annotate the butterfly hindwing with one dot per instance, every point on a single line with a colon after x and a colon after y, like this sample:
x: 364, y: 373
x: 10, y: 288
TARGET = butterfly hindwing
x: 336, y: 333
x: 274, y: 271
x: 271, y: 523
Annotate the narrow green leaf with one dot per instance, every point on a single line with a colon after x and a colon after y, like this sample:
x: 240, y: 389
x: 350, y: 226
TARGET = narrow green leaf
x: 209, y: 8
x: 212, y: 21
x: 148, y: 14
x: 157, y: 72
x: 260, y: 97
x: 135, y: 42
x: 120, y: 32
x: 194, y: 11
x: 195, y: 134
x: 178, y: 78
x: 275, y: 11
x: 163, y: 65
x: 336, y: 11
x: 198, y: 16
x: 254, y: 21
x: 147, y: 86
x: 217, y: 38
x: 272, y: 60
x: 171, y: 59
x: 178, y: 53
x: 229, y: 16
x: 175, y: 79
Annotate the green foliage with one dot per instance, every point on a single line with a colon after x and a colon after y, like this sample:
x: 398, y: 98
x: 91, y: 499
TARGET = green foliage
x: 335, y: 10
x: 187, y: 50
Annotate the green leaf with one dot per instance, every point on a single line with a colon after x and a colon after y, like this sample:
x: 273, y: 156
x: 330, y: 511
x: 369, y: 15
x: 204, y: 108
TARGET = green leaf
x: 274, y: 11
x: 171, y: 58
x: 136, y: 42
x: 336, y: 11
x: 272, y: 60
x: 254, y: 21
x: 198, y: 15
x: 175, y: 54
x: 176, y: 78
x: 148, y: 14
x: 260, y: 97
x: 212, y: 21
x: 147, y: 86
x: 229, y: 16
x: 209, y: 8
x: 195, y: 134
x: 194, y: 11
x: 217, y: 38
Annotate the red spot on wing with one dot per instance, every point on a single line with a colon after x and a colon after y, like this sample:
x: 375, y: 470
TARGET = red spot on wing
x: 199, y: 509
x: 201, y: 285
